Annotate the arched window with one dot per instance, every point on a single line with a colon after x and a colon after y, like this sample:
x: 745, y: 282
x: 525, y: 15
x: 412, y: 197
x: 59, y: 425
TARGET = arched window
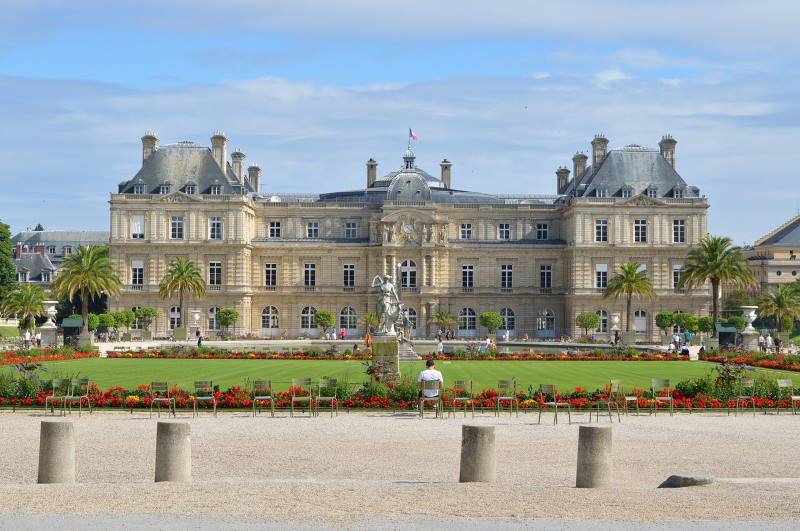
x: 466, y: 319
x: 509, y: 320
x: 347, y: 319
x: 408, y: 274
x: 174, y: 318
x: 269, y: 317
x: 546, y: 321
x: 136, y: 325
x: 212, y: 319
x: 603, y: 315
x: 640, y: 321
x: 307, y: 317
x: 412, y: 316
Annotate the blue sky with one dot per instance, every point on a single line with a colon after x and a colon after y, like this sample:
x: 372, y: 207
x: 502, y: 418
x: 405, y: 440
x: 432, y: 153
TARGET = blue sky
x: 309, y: 90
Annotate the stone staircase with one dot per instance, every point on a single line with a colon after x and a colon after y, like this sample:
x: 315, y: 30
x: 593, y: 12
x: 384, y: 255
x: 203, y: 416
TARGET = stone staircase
x: 406, y: 352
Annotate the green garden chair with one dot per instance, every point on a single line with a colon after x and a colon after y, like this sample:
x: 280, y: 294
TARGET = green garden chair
x: 555, y: 403
x: 507, y: 391
x: 657, y: 386
x: 462, y: 393
x: 611, y: 402
x: 301, y: 393
x: 79, y: 390
x: 786, y: 390
x: 159, y: 393
x: 747, y: 394
x: 430, y: 385
x: 616, y: 392
x: 262, y: 391
x: 60, y: 391
x: 326, y: 392
x: 204, y: 392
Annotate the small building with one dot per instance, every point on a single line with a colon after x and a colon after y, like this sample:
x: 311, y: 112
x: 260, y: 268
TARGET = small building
x: 773, y: 257
x: 38, y: 254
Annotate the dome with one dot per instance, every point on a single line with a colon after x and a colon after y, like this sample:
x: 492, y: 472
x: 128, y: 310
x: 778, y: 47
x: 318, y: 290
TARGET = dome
x: 407, y: 186
x: 409, y: 154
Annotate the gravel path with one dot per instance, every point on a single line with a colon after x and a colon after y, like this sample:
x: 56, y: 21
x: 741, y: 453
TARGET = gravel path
x: 375, y: 470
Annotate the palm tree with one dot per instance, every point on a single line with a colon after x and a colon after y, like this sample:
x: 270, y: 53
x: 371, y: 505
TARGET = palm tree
x: 182, y: 277
x: 443, y: 320
x: 370, y: 322
x: 716, y: 260
x: 781, y: 303
x: 25, y: 302
x: 89, y: 273
x: 631, y: 280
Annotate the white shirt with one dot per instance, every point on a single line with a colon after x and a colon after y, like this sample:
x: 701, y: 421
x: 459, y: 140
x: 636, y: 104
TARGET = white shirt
x: 38, y: 335
x: 440, y: 347
x: 429, y: 375
x: 769, y: 341
x: 27, y: 335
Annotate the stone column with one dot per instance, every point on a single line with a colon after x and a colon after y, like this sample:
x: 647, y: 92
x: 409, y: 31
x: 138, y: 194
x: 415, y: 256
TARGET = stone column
x: 173, y: 452
x: 595, y: 468
x: 56, y: 452
x: 478, y: 455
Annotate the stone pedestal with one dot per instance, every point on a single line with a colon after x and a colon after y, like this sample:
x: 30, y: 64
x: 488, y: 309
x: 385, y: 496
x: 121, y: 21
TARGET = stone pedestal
x: 49, y: 333
x: 712, y: 343
x: 629, y: 339
x: 750, y: 341
x: 386, y: 350
x: 86, y: 339
x: 179, y: 334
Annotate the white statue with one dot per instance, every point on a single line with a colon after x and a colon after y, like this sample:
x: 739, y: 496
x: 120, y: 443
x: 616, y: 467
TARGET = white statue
x: 389, y: 307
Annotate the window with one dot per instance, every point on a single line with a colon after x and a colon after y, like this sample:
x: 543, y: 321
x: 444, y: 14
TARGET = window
x: 351, y: 230
x: 545, y: 276
x: 412, y: 317
x: 312, y: 229
x: 271, y: 275
x: 677, y: 193
x: 137, y: 272
x: 466, y: 319
x: 678, y: 231
x: 506, y: 276
x: 51, y: 249
x: 504, y: 231
x: 601, y: 192
x: 22, y: 276
x: 66, y: 250
x: 176, y: 228
x: 603, y: 315
x: 626, y: 192
x: 269, y: 317
x: 778, y: 273
x: 349, y: 275
x: 215, y: 228
x: 215, y: 273
x: 466, y: 231
x: 137, y: 227
x: 163, y: 189
x: 215, y: 189
x: 138, y: 189
x: 309, y: 275
x: 190, y: 189
x: 640, y: 230
x: 677, y: 273
x: 601, y: 230
x: 601, y: 276
x: 347, y: 319
x: 307, y: 317
x: 274, y: 229
x: 212, y: 319
x: 546, y: 321
x: 408, y: 274
x: 174, y: 318
x: 467, y: 276
x: 45, y: 276
x: 640, y: 321
x: 509, y: 320
x: 542, y: 231
x: 652, y: 192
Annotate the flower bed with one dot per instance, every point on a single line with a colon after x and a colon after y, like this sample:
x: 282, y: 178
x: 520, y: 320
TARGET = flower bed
x: 13, y: 357
x: 783, y: 362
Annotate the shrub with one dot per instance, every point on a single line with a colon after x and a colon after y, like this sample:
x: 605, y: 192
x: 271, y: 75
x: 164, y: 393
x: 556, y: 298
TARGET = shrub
x: 587, y: 321
x: 491, y: 321
x: 665, y: 321
x: 695, y: 387
x: 405, y: 391
x: 378, y: 389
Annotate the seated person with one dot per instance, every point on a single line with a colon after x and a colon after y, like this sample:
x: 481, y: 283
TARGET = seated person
x: 430, y: 374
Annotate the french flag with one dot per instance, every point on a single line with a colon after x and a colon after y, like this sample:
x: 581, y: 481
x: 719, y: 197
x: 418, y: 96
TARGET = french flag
x: 411, y: 134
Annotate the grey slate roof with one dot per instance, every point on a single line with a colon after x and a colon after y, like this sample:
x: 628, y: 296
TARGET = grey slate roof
x: 60, y: 238
x: 34, y: 264
x: 185, y: 163
x: 788, y: 235
x: 632, y: 166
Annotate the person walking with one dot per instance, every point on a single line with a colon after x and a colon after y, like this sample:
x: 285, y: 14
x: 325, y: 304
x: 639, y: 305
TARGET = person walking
x: 760, y: 343
x: 38, y: 337
x: 768, y: 343
x: 26, y: 339
x: 439, y: 348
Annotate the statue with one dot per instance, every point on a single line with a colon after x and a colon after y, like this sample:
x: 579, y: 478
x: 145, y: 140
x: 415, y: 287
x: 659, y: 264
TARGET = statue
x: 389, y: 306
x: 404, y: 326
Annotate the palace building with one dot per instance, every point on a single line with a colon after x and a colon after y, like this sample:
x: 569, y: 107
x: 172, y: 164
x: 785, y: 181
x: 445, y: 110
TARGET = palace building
x: 538, y: 260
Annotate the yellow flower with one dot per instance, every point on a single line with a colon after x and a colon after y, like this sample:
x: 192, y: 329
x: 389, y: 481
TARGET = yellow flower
x: 133, y: 398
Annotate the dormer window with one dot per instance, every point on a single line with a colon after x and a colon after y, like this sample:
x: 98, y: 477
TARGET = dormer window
x: 601, y: 192
x: 138, y: 189
x: 190, y: 189
x: 677, y: 193
x: 163, y: 189
x: 215, y: 189
x: 67, y: 250
x: 652, y: 192
x: 626, y: 192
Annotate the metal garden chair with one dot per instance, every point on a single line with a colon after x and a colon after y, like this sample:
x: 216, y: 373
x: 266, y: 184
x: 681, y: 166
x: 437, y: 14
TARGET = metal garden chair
x: 658, y: 386
x: 79, y: 390
x: 786, y: 390
x: 462, y: 393
x: 555, y: 403
x: 430, y: 385
x: 262, y: 391
x: 326, y: 392
x: 617, y: 393
x: 507, y: 391
x: 299, y: 387
x: 204, y: 392
x: 159, y: 393
x: 747, y: 393
x: 60, y: 391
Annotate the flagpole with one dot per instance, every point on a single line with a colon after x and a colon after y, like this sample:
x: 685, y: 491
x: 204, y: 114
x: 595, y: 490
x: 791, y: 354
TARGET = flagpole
x: 409, y: 138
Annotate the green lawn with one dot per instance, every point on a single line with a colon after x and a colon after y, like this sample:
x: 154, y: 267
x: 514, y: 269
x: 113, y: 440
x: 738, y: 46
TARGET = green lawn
x: 129, y: 373
x: 9, y: 331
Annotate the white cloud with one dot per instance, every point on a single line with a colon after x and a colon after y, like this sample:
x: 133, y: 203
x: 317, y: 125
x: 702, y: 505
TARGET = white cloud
x: 610, y: 75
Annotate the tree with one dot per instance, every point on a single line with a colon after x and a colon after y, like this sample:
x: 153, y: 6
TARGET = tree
x: 88, y: 272
x: 8, y: 270
x: 491, y: 320
x: 106, y: 320
x: 227, y: 317
x: 92, y: 320
x: 629, y: 281
x: 736, y: 321
x: 38, y: 228
x: 587, y: 321
x: 665, y: 321
x: 25, y: 302
x: 687, y: 321
x: 782, y: 303
x: 716, y: 260
x: 443, y: 320
x: 705, y: 325
x: 370, y: 322
x: 124, y: 319
x: 182, y: 277
x: 146, y: 315
x: 323, y: 319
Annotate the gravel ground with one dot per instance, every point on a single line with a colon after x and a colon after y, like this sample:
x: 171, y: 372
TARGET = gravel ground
x: 364, y: 470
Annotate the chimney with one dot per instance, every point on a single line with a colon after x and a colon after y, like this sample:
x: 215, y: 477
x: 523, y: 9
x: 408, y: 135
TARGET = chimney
x: 149, y: 144
x: 562, y: 179
x: 667, y: 146
x: 599, y: 148
x: 39, y: 249
x: 372, y: 172
x: 237, y: 162
x: 219, y: 149
x: 446, y: 165
x: 18, y: 250
x: 578, y: 163
x: 254, y: 176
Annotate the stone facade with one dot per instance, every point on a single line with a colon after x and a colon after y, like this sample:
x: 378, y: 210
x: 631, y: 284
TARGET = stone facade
x: 773, y: 258
x: 539, y: 260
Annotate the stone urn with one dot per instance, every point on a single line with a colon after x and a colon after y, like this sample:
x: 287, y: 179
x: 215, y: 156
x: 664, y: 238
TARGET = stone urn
x: 49, y: 329
x: 615, y: 318
x: 50, y: 312
x: 749, y: 315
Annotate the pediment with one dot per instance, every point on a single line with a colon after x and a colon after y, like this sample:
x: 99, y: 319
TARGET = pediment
x: 405, y: 214
x: 641, y: 200
x: 179, y: 197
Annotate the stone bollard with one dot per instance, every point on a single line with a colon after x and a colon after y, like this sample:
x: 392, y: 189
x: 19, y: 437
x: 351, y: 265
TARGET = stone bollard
x: 56, y: 452
x: 595, y: 469
x: 478, y: 456
x: 173, y: 452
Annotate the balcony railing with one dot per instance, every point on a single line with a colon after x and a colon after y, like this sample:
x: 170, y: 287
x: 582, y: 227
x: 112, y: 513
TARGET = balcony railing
x: 214, y: 287
x: 136, y: 287
x: 409, y: 289
x: 348, y: 289
x: 309, y: 288
x: 466, y: 289
x: 269, y: 288
x: 506, y: 290
x: 545, y: 291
